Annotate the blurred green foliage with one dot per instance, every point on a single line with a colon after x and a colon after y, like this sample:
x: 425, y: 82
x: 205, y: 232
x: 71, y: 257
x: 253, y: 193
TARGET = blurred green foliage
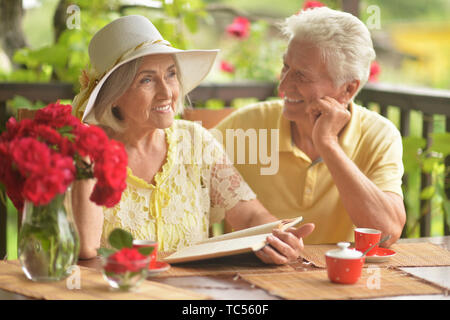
x: 63, y: 59
x: 419, y: 158
x: 258, y: 57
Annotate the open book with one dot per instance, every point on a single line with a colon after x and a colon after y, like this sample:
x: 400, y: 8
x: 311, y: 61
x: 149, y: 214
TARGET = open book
x: 247, y: 240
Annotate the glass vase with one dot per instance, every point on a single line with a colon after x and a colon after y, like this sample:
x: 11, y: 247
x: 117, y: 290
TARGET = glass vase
x: 48, y: 242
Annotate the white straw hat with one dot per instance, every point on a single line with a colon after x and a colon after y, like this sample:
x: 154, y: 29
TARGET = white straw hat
x: 129, y: 38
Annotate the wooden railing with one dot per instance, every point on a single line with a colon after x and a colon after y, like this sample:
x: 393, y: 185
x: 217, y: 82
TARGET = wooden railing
x: 429, y: 102
x: 407, y: 99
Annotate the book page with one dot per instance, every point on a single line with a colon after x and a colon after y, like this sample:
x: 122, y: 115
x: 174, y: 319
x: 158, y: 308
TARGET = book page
x: 261, y: 229
x: 218, y: 249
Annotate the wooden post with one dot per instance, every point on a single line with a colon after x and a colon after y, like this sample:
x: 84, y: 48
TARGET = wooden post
x: 384, y: 110
x: 447, y: 179
x: 404, y: 130
x: 351, y: 6
x: 425, y: 223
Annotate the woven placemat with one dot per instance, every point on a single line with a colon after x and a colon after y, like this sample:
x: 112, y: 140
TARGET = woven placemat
x: 315, y: 285
x: 92, y: 286
x: 408, y: 255
x: 242, y: 264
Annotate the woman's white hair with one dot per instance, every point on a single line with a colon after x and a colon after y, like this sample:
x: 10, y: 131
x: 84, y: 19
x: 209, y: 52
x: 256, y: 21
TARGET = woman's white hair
x: 105, y: 112
x: 343, y: 40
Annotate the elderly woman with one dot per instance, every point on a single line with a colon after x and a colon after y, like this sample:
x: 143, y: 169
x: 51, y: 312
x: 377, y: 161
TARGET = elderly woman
x: 179, y: 179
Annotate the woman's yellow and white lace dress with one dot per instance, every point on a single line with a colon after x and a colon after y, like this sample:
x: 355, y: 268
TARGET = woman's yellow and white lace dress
x: 194, y: 188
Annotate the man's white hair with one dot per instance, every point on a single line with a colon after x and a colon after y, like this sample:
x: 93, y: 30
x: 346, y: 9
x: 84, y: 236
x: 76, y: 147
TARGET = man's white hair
x: 344, y: 42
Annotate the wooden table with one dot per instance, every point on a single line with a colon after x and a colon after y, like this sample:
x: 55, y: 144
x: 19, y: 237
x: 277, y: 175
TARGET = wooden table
x: 232, y: 288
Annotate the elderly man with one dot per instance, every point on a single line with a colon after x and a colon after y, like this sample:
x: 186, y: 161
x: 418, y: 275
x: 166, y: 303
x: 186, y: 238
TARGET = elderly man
x: 340, y: 165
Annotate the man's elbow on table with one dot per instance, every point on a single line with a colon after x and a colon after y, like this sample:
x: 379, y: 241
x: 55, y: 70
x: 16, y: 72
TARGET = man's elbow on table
x: 398, y: 221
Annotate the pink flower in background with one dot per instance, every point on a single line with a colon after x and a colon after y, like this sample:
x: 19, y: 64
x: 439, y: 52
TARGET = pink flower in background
x: 240, y: 28
x: 226, y: 67
x: 312, y: 4
x: 375, y: 70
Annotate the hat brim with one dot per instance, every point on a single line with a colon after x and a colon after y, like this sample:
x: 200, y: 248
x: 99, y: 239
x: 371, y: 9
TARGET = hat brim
x: 193, y: 67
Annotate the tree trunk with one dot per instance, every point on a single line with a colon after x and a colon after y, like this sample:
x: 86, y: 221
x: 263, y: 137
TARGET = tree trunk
x: 11, y: 33
x: 59, y: 19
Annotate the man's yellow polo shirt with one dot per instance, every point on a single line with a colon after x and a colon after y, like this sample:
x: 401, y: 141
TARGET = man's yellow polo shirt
x: 298, y: 187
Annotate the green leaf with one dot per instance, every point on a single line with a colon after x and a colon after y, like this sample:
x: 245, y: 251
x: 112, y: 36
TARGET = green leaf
x: 190, y: 19
x: 413, y: 144
x: 430, y: 164
x: 215, y: 104
x: 441, y: 143
x: 411, y: 156
x: 146, y: 250
x: 105, y: 252
x: 119, y: 239
x: 52, y: 55
x: 427, y: 193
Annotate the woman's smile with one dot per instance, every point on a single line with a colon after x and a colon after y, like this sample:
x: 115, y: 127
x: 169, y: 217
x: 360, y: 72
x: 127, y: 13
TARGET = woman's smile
x: 162, y: 108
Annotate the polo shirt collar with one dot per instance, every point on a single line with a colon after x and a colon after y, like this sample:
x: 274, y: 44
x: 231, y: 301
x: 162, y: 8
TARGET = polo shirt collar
x: 347, y: 140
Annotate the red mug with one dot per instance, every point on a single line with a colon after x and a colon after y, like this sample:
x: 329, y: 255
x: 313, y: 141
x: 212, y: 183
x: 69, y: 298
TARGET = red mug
x: 344, y: 265
x: 365, y: 238
x: 148, y: 243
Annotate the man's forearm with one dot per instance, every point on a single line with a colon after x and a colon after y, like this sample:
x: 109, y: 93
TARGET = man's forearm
x: 367, y: 205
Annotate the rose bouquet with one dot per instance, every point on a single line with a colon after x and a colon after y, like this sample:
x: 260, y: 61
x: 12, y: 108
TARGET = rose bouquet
x: 124, y: 266
x: 39, y: 160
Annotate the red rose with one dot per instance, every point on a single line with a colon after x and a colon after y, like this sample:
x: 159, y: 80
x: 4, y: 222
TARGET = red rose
x: 104, y: 195
x: 5, y: 161
x: 14, y: 192
x: 111, y: 170
x: 40, y: 188
x: 126, y: 259
x: 90, y: 141
x: 63, y: 169
x: 56, y: 115
x: 226, y: 67
x: 240, y: 28
x: 110, y: 175
x: 30, y: 155
x: 16, y: 129
x: 53, y: 138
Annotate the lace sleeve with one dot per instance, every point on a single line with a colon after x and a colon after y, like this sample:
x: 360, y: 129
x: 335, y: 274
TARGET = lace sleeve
x: 227, y: 187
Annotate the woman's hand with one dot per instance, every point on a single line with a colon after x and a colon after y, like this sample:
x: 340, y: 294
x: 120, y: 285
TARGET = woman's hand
x: 284, y: 246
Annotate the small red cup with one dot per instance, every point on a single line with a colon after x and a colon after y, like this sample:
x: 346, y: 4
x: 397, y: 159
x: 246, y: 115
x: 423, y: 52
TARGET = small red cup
x: 365, y: 238
x: 148, y: 243
x: 344, y: 265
